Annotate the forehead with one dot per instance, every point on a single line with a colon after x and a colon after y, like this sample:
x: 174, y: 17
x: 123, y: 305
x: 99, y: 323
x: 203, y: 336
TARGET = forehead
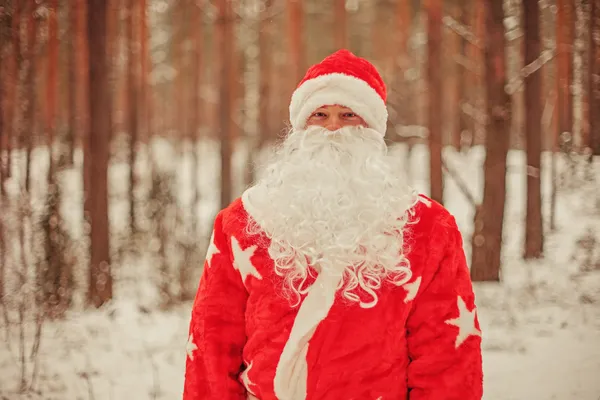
x: 333, y: 107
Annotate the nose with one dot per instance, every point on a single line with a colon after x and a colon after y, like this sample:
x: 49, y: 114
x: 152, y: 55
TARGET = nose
x: 334, y: 123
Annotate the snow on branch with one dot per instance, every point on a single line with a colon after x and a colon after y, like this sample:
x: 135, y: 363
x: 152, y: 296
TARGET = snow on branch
x: 462, y: 31
x: 515, y: 84
x: 514, y: 34
x: 412, y: 131
x: 468, y: 64
x: 546, y: 56
x: 476, y: 114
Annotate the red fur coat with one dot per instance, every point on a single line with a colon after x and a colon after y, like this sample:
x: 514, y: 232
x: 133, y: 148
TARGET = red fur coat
x: 420, y: 342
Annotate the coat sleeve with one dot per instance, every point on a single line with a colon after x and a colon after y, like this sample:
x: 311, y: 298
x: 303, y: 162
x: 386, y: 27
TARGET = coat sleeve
x: 217, y: 328
x: 443, y: 333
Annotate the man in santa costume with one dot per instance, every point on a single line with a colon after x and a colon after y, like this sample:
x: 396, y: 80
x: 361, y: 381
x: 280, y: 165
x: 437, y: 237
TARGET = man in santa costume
x: 330, y: 279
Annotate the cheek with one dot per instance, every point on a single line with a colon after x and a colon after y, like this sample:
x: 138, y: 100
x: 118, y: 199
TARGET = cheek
x: 314, y: 122
x: 357, y: 122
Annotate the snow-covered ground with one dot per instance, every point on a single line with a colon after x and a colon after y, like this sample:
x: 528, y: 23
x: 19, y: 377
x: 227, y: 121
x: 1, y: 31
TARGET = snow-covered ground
x: 541, y: 325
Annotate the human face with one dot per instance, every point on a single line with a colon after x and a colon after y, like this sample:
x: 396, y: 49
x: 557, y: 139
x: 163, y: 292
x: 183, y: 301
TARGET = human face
x: 334, y: 117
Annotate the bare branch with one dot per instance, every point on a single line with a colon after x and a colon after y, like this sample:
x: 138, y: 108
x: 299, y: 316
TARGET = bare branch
x: 514, y: 34
x: 476, y: 114
x: 36, y: 347
x: 7, y: 322
x: 22, y: 282
x: 460, y: 183
x: 22, y: 359
x: 155, y: 378
x: 468, y: 64
x: 411, y: 131
x: 86, y: 376
x: 515, y: 84
x: 462, y: 31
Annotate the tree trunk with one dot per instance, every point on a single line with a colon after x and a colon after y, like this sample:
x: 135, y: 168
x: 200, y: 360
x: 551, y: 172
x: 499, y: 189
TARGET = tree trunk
x: 148, y: 97
x: 265, y: 65
x: 594, y: 77
x: 402, y: 93
x: 4, y: 35
x: 52, y: 83
x: 534, y: 233
x: 403, y: 29
x: 464, y: 79
x: 112, y: 52
x: 132, y: 103
x: 265, y: 62
x: 181, y: 67
x: 435, y: 103
x: 194, y: 36
x: 296, y: 46
x: 340, y: 25
x: 564, y: 72
x: 551, y: 81
x: 56, y: 278
x: 515, y: 51
x: 585, y: 21
x: 553, y: 165
x: 27, y: 133
x: 144, y: 69
x: 72, y: 80
x: 384, y: 57
x: 236, y: 90
x: 83, y: 95
x: 474, y: 105
x: 224, y: 43
x: 119, y: 71
x: 382, y: 53
x: 3, y: 258
x: 100, y: 284
x: 194, y: 125
x: 487, y: 233
x: 454, y: 50
x: 12, y: 79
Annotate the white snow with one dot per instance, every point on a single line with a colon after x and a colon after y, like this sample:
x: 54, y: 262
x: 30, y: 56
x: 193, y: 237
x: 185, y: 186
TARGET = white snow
x: 541, y: 325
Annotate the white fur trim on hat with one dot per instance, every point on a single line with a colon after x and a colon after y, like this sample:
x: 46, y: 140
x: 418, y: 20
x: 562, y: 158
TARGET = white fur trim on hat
x: 343, y: 90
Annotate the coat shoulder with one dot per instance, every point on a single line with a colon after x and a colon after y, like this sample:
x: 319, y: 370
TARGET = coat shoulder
x: 428, y: 216
x: 234, y: 218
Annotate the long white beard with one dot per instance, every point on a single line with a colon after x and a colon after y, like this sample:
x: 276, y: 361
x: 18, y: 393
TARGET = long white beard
x: 334, y: 201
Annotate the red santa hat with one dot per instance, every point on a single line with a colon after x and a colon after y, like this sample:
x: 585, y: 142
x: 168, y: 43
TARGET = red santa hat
x: 341, y: 79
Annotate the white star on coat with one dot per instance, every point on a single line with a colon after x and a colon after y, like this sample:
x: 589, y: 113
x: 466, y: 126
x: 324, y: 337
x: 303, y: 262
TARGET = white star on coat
x: 212, y: 249
x: 190, y: 347
x: 241, y: 260
x: 411, y: 289
x: 246, y: 380
x: 465, y: 322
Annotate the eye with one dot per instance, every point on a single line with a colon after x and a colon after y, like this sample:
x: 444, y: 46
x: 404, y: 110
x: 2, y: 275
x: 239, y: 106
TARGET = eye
x: 350, y: 115
x: 318, y: 114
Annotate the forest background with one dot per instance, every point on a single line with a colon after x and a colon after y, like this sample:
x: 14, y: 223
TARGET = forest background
x: 125, y: 125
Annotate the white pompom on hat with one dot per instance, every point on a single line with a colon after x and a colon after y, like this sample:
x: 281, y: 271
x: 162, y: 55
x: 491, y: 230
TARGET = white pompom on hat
x: 346, y: 80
